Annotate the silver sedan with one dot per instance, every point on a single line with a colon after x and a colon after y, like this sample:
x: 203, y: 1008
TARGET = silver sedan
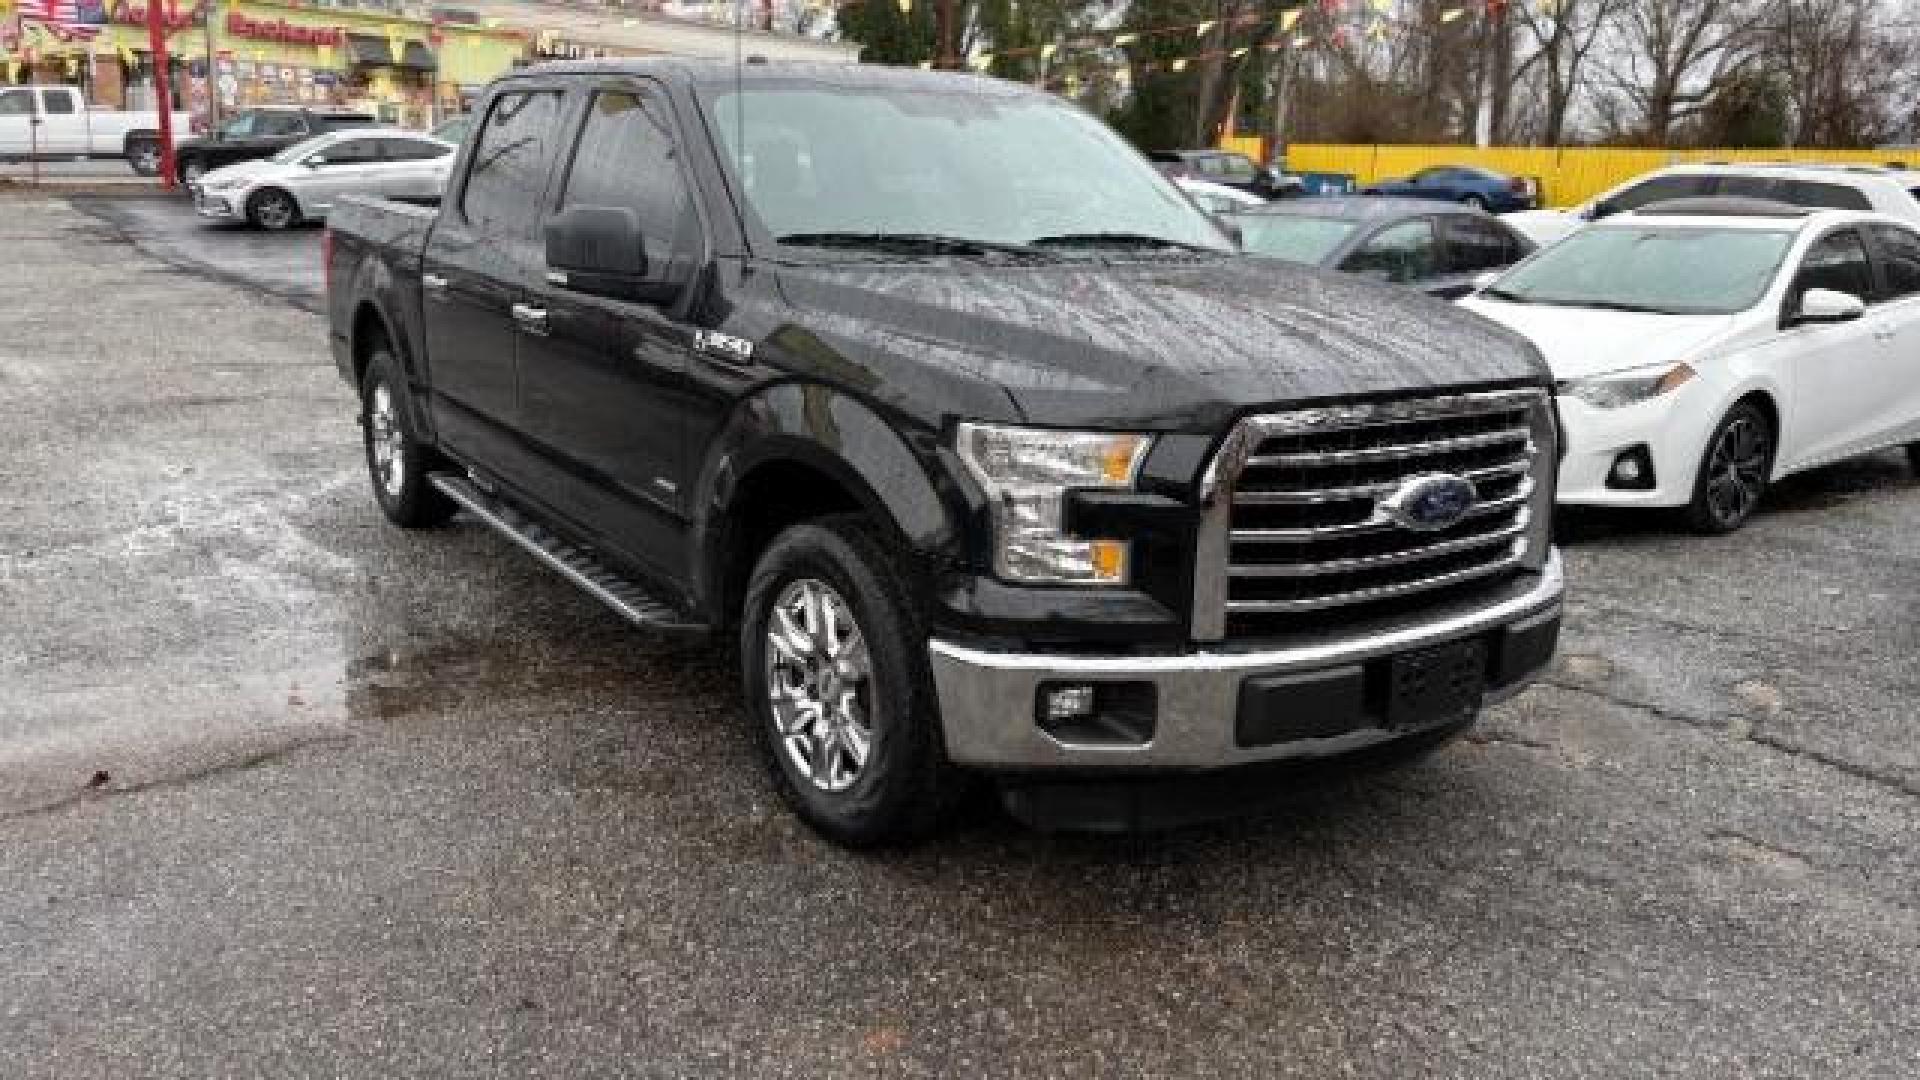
x: 302, y: 182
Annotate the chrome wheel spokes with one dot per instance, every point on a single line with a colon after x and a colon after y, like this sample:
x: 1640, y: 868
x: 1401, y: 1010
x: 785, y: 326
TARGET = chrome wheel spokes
x: 1737, y: 471
x: 387, y: 441
x: 819, y: 680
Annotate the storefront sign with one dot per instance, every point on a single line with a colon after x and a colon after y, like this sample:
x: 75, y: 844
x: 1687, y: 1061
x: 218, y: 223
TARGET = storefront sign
x: 282, y: 31
x: 174, y: 17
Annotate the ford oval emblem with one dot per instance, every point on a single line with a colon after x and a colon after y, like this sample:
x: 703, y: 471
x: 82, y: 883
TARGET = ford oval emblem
x: 1430, y: 502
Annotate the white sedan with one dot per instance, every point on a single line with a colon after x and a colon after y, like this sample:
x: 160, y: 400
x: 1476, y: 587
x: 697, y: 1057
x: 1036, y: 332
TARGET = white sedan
x: 1705, y: 350
x: 1217, y: 199
x: 302, y: 182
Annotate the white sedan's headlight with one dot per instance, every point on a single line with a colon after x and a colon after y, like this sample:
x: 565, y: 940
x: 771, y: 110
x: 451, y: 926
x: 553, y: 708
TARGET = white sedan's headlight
x: 219, y: 183
x: 1628, y: 387
x: 1027, y: 472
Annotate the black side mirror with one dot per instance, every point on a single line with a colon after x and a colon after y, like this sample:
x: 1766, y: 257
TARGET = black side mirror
x: 1602, y: 209
x: 599, y: 250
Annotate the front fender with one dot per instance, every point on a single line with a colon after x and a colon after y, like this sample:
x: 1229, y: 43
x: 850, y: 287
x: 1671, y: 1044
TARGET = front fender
x: 900, y: 478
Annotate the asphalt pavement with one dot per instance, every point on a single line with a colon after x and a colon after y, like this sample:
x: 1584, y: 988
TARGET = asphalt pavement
x: 287, y: 792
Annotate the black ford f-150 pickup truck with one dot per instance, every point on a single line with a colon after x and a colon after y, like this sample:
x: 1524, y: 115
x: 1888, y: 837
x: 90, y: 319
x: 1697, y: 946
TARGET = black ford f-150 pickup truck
x: 968, y: 428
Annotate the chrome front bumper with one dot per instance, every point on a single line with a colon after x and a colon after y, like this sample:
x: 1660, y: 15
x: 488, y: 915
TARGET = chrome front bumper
x: 988, y: 699
x: 214, y: 205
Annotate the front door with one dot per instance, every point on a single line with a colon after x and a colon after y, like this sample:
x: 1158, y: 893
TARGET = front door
x: 475, y: 273
x: 351, y: 167
x: 1837, y: 369
x: 603, y: 379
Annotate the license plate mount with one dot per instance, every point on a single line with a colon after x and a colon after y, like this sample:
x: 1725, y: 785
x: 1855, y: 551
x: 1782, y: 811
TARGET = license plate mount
x: 1436, y: 686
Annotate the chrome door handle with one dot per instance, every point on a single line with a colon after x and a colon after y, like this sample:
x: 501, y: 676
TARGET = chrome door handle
x: 433, y: 282
x: 531, y: 319
x: 1883, y: 335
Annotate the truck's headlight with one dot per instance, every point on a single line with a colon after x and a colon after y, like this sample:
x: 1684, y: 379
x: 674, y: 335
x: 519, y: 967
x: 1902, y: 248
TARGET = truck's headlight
x: 1027, y: 473
x: 1628, y: 387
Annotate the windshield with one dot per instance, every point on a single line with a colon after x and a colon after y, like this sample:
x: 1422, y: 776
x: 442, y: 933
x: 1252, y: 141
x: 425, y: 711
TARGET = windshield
x: 301, y: 149
x: 1681, y: 271
x: 830, y: 161
x: 1296, y: 239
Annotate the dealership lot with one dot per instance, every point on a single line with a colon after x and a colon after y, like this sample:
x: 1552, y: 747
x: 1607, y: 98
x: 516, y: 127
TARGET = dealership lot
x: 287, y: 791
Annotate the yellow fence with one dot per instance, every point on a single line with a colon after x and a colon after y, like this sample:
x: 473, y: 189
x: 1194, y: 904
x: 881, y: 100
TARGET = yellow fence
x: 1568, y: 175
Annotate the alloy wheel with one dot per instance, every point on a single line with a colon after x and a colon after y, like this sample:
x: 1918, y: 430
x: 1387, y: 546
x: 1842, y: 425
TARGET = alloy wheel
x: 388, y: 440
x: 1737, y: 471
x: 273, y: 210
x: 819, y: 678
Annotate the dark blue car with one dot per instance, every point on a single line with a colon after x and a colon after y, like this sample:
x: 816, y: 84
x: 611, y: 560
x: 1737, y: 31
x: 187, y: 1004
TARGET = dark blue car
x: 1482, y: 189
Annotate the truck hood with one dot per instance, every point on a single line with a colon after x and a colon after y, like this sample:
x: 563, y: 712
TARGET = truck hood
x: 1579, y: 343
x: 1164, y: 344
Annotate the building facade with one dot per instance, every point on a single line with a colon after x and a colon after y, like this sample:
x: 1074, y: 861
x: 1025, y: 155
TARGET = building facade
x: 232, y: 54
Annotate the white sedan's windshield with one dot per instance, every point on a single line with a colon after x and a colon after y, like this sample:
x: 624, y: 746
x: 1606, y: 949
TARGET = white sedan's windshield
x: 1651, y: 268
x: 301, y: 149
x: 990, y: 169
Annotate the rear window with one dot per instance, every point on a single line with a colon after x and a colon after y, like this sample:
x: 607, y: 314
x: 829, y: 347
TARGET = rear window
x: 1661, y: 189
x: 1826, y: 196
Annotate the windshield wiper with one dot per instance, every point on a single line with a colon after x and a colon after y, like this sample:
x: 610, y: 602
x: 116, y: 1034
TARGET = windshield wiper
x: 1640, y: 309
x: 1126, y: 240
x: 1509, y: 297
x: 909, y: 244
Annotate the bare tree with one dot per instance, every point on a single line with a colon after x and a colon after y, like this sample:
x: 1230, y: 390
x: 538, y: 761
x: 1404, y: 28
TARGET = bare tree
x: 1563, y: 36
x: 1845, y: 68
x: 1666, y: 57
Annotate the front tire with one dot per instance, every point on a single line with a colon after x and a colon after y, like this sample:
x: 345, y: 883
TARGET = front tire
x: 272, y: 210
x: 1733, y: 471
x: 397, y: 460
x: 836, y: 684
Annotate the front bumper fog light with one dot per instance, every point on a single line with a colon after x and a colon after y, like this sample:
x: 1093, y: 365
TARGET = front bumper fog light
x: 1069, y: 702
x: 1632, y: 470
x: 1098, y: 713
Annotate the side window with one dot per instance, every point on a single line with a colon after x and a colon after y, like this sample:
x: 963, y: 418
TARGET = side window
x: 353, y: 152
x: 509, y: 171
x: 58, y: 102
x: 1899, y: 260
x: 1398, y: 253
x: 1211, y: 165
x: 1237, y: 167
x: 280, y: 125
x: 1474, y: 244
x: 1662, y: 188
x: 16, y: 103
x: 1753, y: 187
x: 1836, y: 261
x: 1825, y: 196
x: 415, y: 150
x: 628, y: 158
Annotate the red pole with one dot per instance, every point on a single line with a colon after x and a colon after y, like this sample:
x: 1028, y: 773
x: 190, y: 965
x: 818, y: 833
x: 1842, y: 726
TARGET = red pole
x: 162, y: 90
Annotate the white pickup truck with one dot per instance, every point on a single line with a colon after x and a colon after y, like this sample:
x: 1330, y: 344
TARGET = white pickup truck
x: 52, y: 123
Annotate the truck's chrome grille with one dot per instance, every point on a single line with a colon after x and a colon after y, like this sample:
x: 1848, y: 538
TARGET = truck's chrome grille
x: 1297, y: 506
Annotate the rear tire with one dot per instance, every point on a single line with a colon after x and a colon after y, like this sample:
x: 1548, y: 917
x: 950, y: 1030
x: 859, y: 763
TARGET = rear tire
x: 273, y: 210
x: 1734, y: 470
x: 843, y: 707
x: 397, y: 460
x: 143, y: 157
x: 1913, y: 457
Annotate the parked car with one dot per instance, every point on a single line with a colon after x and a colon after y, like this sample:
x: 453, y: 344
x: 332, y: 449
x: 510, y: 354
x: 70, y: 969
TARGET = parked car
x: 52, y: 123
x: 1438, y: 249
x: 1228, y: 169
x: 305, y: 181
x: 1706, y: 348
x: 978, y: 477
x: 252, y: 134
x: 1482, y: 189
x: 1832, y: 187
x: 1217, y: 199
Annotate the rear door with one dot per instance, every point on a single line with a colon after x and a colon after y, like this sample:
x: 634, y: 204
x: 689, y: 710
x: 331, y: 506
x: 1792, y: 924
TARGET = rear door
x: 1838, y: 371
x: 417, y: 168
x: 603, y: 380
x: 1896, y: 250
x: 480, y: 259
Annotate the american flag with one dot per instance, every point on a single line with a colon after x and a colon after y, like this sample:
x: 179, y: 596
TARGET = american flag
x: 67, y: 19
